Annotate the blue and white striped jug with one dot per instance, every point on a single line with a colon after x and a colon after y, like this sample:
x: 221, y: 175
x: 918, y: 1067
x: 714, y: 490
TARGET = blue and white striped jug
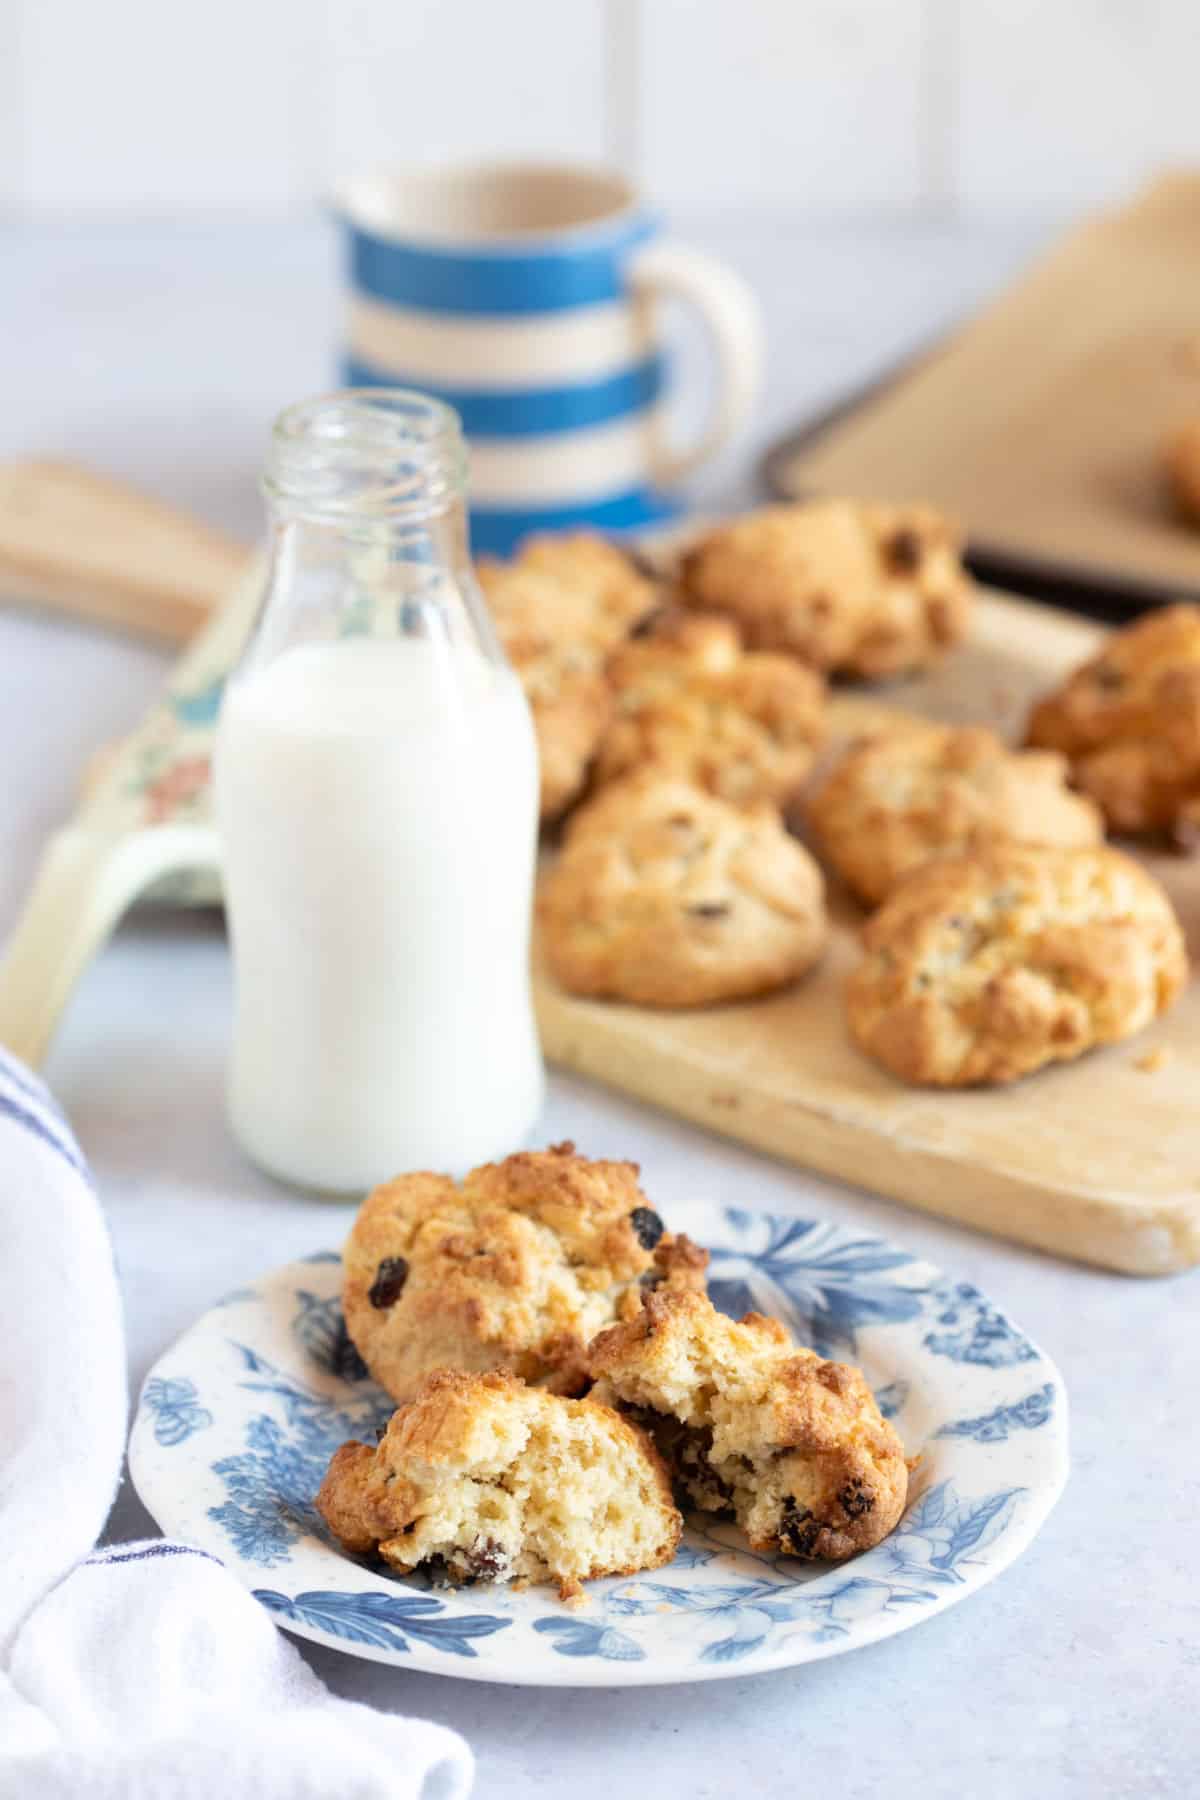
x: 526, y: 297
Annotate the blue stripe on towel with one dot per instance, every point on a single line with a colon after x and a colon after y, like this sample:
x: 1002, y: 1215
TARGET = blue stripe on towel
x: 102, y: 1559
x: 566, y: 272
x: 529, y: 412
x: 498, y: 530
x: 39, y: 1128
x: 32, y: 1106
x: 25, y: 1080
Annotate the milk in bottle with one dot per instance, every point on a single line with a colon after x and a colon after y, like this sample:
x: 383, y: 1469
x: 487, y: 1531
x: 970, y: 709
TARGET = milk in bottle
x: 375, y: 781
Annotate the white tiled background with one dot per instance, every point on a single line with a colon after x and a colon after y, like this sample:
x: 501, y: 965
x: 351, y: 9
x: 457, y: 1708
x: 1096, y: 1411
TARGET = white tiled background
x: 854, y: 109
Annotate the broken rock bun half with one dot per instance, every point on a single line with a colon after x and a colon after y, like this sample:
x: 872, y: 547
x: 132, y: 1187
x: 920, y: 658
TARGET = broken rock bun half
x: 481, y: 1478
x: 792, y: 1447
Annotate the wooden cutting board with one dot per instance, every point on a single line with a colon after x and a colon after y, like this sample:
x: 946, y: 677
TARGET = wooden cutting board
x: 1098, y: 1160
x: 76, y: 542
x: 1040, y: 423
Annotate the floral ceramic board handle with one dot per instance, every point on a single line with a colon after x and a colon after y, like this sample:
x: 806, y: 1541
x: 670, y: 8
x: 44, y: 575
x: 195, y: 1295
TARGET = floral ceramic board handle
x: 143, y: 827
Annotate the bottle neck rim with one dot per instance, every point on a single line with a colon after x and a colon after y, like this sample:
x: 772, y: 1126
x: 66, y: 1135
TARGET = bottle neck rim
x: 366, y: 456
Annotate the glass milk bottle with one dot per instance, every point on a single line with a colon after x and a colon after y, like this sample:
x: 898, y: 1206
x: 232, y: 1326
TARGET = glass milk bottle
x: 375, y: 782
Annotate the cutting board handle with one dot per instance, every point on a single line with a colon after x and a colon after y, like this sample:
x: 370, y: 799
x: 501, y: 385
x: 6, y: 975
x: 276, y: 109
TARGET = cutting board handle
x: 86, y: 880
x: 82, y: 544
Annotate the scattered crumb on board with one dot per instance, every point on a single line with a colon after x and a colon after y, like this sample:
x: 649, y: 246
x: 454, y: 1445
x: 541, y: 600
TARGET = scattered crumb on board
x: 1150, y: 1061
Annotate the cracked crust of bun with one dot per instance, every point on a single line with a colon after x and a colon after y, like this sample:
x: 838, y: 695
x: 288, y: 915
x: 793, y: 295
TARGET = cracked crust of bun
x: 899, y: 797
x: 793, y: 1446
x: 665, y: 896
x: 483, y: 1479
x: 1128, y: 720
x: 620, y: 596
x: 983, y: 968
x: 849, y: 586
x: 517, y: 1266
x: 745, y: 726
x: 681, y: 646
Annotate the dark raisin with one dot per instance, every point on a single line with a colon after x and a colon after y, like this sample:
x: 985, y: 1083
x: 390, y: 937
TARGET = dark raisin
x: 798, y: 1530
x: 486, y: 1561
x: 687, y: 1452
x: 647, y: 1226
x: 710, y: 909
x: 856, y: 1499
x: 651, y: 1279
x: 389, y: 1281
x: 380, y: 1433
x: 956, y: 922
x: 902, y: 552
x: 344, y: 1359
x: 1106, y: 677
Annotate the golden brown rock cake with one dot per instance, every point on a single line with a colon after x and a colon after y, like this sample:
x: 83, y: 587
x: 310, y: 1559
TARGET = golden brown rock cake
x: 902, y: 796
x: 517, y: 1266
x: 665, y: 896
x: 850, y: 586
x: 746, y: 726
x: 983, y: 968
x: 1128, y: 720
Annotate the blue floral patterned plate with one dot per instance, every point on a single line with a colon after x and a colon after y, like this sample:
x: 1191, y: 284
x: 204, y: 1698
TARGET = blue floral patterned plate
x: 238, y: 1420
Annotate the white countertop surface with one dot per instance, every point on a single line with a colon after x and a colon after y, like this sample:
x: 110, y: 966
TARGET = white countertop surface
x: 161, y: 356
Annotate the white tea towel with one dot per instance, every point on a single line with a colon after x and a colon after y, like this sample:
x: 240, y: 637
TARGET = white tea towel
x: 142, y: 1671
